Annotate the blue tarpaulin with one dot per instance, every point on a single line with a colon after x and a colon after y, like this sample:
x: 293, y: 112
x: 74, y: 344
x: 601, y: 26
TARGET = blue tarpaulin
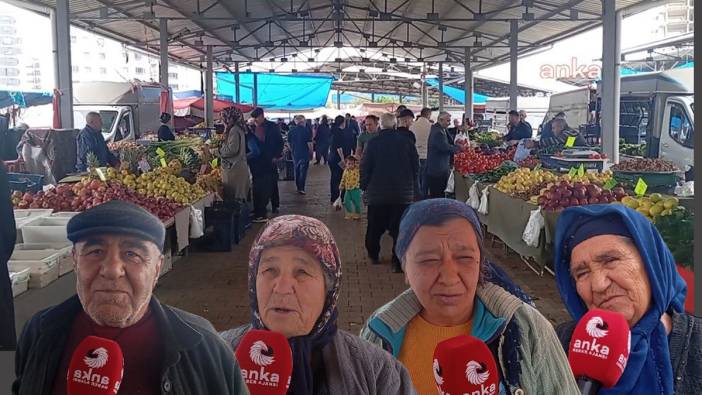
x: 24, y: 99
x: 187, y: 94
x: 458, y: 94
x: 278, y: 91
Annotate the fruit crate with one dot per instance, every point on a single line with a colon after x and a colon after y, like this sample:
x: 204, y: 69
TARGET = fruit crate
x: 41, y: 272
x: 25, y: 182
x: 661, y: 182
x: 20, y: 281
x: 564, y: 165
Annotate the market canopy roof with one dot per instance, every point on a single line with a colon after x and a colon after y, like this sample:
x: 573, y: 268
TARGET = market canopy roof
x: 196, y: 106
x: 254, y: 31
x: 277, y: 91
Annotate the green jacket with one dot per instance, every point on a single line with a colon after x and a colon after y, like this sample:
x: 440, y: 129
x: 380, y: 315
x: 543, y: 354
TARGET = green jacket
x: 543, y: 364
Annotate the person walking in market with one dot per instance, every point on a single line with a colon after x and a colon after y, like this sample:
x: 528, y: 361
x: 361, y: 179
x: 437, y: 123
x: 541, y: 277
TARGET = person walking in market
x: 439, y: 153
x: 300, y: 142
x: 90, y: 140
x: 337, y: 153
x: 351, y: 185
x: 371, y: 132
x: 389, y: 170
x: 235, y: 170
x: 117, y: 249
x: 421, y: 129
x: 404, y: 123
x: 263, y: 167
x: 321, y: 140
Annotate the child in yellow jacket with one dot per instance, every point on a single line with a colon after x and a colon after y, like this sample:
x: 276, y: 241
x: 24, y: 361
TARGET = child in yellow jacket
x: 351, y: 184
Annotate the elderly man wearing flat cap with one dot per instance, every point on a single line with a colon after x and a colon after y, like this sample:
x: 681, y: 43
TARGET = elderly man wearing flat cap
x: 117, y: 252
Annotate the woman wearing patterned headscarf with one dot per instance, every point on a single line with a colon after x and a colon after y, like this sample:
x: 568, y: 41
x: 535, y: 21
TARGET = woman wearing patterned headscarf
x: 294, y: 279
x: 235, y: 170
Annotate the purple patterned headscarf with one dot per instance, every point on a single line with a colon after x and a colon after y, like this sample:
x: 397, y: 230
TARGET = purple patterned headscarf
x: 314, y: 237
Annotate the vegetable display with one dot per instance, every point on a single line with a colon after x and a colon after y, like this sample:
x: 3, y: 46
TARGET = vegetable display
x: 676, y: 230
x: 495, y: 175
x: 565, y: 194
x: 646, y: 165
x: 474, y: 161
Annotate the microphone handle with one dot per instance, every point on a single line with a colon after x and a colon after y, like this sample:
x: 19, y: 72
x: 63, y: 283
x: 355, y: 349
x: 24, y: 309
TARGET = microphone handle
x: 588, y: 386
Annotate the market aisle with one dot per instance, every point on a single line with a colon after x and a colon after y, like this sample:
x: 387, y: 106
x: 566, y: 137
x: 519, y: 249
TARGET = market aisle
x: 214, y: 285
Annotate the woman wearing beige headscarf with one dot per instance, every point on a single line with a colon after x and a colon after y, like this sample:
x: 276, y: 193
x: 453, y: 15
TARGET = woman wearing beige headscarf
x: 235, y: 170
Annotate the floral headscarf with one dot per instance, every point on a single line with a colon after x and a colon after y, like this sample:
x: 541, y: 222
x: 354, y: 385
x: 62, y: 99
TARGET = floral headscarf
x: 314, y: 237
x: 233, y: 116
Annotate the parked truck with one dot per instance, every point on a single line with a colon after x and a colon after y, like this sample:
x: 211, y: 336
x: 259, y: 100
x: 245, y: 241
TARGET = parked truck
x: 655, y: 108
x: 128, y: 109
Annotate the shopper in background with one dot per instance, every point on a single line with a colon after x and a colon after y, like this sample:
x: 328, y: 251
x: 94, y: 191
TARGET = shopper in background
x: 235, y: 170
x: 90, y: 140
x: 117, y: 250
x: 517, y: 129
x: 547, y: 129
x: 371, y: 123
x: 389, y: 170
x: 263, y: 168
x: 294, y: 287
x: 352, y: 124
x: 322, y: 139
x: 561, y: 132
x: 404, y: 122
x: 439, y: 153
x: 8, y: 234
x: 421, y: 129
x: 523, y: 117
x: 300, y: 141
x: 350, y: 135
x: 164, y: 131
x: 337, y: 155
x: 351, y: 185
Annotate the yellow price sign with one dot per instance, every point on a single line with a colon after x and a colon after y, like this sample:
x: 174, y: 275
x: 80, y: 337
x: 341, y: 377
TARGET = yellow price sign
x: 163, y: 163
x: 581, y: 170
x: 610, y: 184
x: 160, y: 152
x: 573, y: 171
x: 214, y: 162
x: 641, y: 187
x: 570, y: 142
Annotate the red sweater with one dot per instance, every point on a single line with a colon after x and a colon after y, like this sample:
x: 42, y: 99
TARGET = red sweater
x: 141, y: 347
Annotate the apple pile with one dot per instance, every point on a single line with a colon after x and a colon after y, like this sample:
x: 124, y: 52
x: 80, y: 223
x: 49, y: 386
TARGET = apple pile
x: 89, y: 193
x: 565, y: 194
x: 477, y: 161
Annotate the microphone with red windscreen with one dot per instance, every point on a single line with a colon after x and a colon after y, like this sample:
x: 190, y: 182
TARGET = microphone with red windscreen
x: 599, y: 350
x: 265, y: 360
x: 96, y: 367
x: 465, y: 365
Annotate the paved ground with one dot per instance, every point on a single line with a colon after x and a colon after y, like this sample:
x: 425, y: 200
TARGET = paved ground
x: 214, y: 284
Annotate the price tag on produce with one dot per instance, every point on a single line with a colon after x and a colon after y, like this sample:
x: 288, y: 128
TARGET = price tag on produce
x: 581, y: 170
x: 610, y: 184
x: 163, y: 163
x: 573, y: 171
x: 537, y: 167
x: 160, y: 152
x: 144, y: 166
x: 101, y: 174
x: 641, y: 187
x: 570, y: 142
x: 214, y: 162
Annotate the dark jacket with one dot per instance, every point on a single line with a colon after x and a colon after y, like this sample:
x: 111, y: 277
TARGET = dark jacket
x: 323, y: 135
x: 439, y: 152
x: 298, y: 139
x: 8, y: 234
x: 685, y: 345
x: 389, y: 169
x: 165, y: 133
x: 270, y: 149
x: 336, y: 141
x: 562, y: 138
x: 408, y: 134
x: 195, y: 360
x: 521, y: 131
x: 89, y: 140
x: 350, y: 140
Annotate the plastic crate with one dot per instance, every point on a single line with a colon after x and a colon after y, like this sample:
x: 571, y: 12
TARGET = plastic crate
x: 41, y: 273
x: 45, y: 230
x: 20, y: 281
x: 657, y: 182
x: 63, y: 251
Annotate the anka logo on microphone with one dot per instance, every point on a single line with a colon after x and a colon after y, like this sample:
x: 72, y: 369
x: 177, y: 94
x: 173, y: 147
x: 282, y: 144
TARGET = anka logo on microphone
x: 262, y: 355
x: 94, y: 359
x: 597, y: 328
x: 476, y: 373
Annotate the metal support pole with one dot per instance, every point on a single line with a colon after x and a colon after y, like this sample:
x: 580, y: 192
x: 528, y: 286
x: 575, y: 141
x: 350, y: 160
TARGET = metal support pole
x: 400, y: 99
x: 338, y: 100
x: 163, y: 51
x: 63, y: 78
x: 513, y: 42
x: 372, y: 97
x: 441, y: 86
x: 468, y: 86
x: 611, y: 56
x: 255, y: 89
x: 425, y: 91
x: 236, y: 82
x: 209, y: 88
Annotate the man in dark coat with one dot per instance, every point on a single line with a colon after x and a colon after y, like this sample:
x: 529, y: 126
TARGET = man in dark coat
x: 117, y: 250
x: 389, y: 171
x: 90, y: 140
x: 8, y: 234
x: 518, y: 129
x: 263, y: 168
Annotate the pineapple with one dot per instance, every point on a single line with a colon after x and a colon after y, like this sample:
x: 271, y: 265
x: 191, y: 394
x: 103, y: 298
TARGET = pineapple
x: 92, y: 162
x: 188, y: 158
